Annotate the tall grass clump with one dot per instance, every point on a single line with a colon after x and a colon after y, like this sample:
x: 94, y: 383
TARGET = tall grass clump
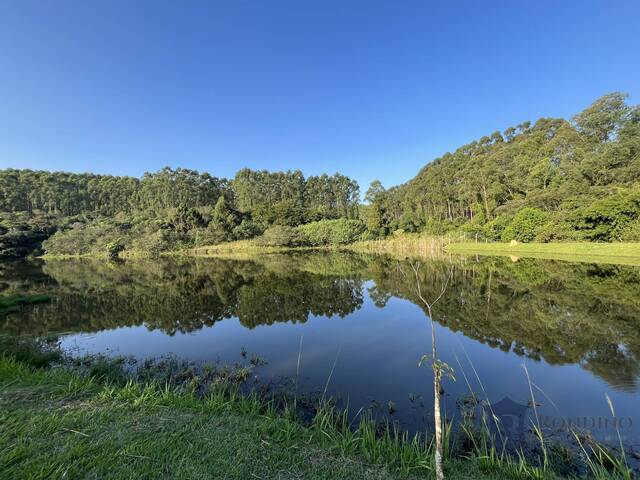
x: 603, y: 463
x: 378, y: 443
x: 405, y: 245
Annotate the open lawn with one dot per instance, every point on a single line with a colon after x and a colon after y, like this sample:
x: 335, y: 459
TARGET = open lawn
x: 620, y: 253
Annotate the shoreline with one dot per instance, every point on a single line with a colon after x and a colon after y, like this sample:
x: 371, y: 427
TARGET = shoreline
x: 114, y: 421
x: 54, y: 408
x: 411, y: 246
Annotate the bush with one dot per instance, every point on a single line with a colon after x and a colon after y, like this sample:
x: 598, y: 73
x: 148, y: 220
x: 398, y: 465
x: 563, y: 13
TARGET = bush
x: 81, y: 238
x: 114, y: 248
x: 331, y: 232
x: 436, y: 226
x: 187, y: 218
x: 526, y: 224
x: 246, y: 229
x: 610, y: 218
x: 472, y: 229
x: 279, y: 236
x: 494, y: 229
x: 632, y: 232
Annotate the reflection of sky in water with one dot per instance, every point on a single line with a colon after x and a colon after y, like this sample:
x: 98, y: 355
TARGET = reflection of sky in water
x: 379, y: 349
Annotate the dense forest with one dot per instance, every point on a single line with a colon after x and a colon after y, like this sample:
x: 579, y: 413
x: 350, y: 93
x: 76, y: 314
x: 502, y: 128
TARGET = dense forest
x: 162, y: 211
x: 557, y: 179
x: 553, y: 180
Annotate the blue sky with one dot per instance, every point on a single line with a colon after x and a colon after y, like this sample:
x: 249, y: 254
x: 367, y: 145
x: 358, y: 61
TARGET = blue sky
x: 371, y: 89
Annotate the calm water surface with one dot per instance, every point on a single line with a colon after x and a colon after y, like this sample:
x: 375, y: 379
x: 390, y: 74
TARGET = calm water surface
x: 575, y: 326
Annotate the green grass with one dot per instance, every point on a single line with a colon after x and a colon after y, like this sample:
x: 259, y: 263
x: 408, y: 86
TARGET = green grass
x: 416, y: 245
x: 89, y: 417
x: 243, y: 247
x: 57, y: 424
x: 620, y: 253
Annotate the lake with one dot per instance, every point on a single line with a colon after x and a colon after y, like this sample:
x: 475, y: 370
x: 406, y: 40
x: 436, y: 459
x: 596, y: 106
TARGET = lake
x: 359, y: 328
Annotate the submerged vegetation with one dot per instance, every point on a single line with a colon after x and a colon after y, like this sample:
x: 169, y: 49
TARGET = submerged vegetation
x: 555, y: 180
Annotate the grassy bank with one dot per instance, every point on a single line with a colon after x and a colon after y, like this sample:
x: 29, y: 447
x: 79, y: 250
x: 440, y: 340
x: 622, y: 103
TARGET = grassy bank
x: 419, y: 247
x: 411, y: 245
x: 240, y: 247
x: 103, y: 256
x: 57, y: 423
x: 93, y: 417
x: 620, y: 253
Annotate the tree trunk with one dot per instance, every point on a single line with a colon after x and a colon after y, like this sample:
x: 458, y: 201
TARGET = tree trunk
x: 437, y: 417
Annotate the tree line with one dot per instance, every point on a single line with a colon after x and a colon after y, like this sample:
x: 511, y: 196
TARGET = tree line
x: 270, y: 197
x: 556, y: 179
x: 165, y: 210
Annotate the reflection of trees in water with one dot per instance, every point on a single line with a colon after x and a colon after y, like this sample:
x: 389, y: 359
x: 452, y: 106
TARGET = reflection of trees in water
x: 557, y: 311
x: 272, y: 298
x: 183, y: 296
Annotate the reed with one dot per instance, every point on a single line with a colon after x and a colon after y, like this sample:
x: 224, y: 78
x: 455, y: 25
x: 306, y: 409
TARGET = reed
x: 406, y: 245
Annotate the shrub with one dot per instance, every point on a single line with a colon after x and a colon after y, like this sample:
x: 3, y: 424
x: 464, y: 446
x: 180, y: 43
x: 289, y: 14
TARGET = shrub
x: 246, y: 229
x: 436, y: 226
x: 408, y: 222
x: 632, y: 232
x: 187, y: 218
x: 331, y: 232
x: 114, y: 248
x: 279, y: 236
x: 494, y: 229
x: 526, y: 224
x: 471, y: 229
x: 554, y: 230
x: 89, y: 238
x: 609, y: 218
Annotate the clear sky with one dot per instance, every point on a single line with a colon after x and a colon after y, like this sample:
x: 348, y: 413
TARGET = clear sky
x: 369, y: 88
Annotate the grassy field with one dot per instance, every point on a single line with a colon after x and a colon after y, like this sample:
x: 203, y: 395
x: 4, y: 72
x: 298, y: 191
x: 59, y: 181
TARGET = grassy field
x: 620, y: 253
x: 58, y: 424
